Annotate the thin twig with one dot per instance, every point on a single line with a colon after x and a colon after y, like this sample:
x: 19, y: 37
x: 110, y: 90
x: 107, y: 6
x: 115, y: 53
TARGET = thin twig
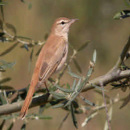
x: 108, y: 121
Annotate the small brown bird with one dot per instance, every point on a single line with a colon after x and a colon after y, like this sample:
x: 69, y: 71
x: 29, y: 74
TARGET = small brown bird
x: 51, y: 58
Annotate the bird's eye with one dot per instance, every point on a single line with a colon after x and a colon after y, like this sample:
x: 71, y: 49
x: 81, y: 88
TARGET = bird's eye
x: 62, y: 22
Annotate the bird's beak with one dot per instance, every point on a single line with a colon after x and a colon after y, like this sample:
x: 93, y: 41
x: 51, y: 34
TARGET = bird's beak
x: 73, y: 20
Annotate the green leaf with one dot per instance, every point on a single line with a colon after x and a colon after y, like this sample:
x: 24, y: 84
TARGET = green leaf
x: 26, y: 47
x: 74, y: 75
x: 29, y: 5
x: 58, y: 95
x: 6, y: 64
x: 2, y: 12
x: 74, y: 85
x: 63, y: 89
x: 100, y: 93
x: 23, y: 127
x: 73, y: 116
x: 41, y: 109
x: 11, y: 27
x: 31, y: 55
x: 83, y: 46
x: 58, y: 105
x: 68, y: 86
x: 99, y: 88
x: 2, y: 124
x: 87, y: 101
x: 22, y: 37
x: 78, y: 86
x: 3, y: 3
x: 127, y: 3
x: 125, y: 50
x: 9, y: 49
x: 5, y: 80
x: 38, y: 51
x: 2, y: 98
x: 126, y: 100
x: 6, y: 87
x: 77, y: 66
x: 11, y: 126
x: 63, y: 121
x: 121, y: 15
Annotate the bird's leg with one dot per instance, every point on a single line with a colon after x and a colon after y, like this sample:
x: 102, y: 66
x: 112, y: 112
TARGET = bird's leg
x: 46, y: 87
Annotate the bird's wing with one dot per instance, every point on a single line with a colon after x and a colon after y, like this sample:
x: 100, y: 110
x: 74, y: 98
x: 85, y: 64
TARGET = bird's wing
x: 52, y: 57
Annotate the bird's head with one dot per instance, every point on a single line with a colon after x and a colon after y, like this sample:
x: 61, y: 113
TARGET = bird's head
x: 61, y: 26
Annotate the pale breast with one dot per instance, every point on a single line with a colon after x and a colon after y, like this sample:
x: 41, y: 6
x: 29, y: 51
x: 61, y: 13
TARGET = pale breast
x: 63, y: 59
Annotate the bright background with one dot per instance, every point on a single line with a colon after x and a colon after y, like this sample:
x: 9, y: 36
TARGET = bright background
x: 96, y: 23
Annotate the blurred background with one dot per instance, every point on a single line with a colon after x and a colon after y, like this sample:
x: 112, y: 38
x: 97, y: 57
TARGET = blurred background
x: 96, y: 24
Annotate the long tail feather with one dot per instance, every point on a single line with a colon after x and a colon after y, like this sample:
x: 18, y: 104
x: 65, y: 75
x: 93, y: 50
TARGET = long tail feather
x: 27, y: 102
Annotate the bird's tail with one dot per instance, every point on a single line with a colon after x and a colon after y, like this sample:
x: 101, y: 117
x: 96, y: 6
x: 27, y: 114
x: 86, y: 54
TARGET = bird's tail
x: 27, y: 102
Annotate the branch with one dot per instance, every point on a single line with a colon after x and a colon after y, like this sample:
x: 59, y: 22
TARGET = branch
x: 107, y: 78
x: 40, y: 100
x: 114, y: 74
x: 15, y: 107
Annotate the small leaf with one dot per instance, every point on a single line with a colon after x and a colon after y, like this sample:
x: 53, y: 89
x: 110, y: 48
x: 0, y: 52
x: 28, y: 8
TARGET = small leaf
x: 6, y: 64
x: 26, y: 47
x: 97, y: 87
x: 2, y: 34
x: 58, y: 95
x: 5, y: 80
x: 63, y: 121
x: 74, y: 85
x: 125, y: 102
x: 123, y: 14
x: 87, y: 101
x: 29, y: 5
x: 2, y: 12
x: 31, y: 55
x: 6, y: 87
x: 25, y: 38
x: 63, y: 89
x: 23, y: 127
x: 3, y: 3
x: 38, y: 51
x: 100, y: 93
x: 2, y: 124
x: 41, y: 109
x: 9, y: 49
x: 2, y: 98
x: 73, y: 116
x: 78, y: 86
x: 77, y: 66
x: 68, y: 86
x: 74, y: 75
x: 11, y: 27
x: 11, y: 126
x: 125, y: 50
x: 83, y: 46
x: 58, y: 105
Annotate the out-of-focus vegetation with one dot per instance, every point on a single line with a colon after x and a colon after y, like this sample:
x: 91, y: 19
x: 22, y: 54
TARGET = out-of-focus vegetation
x: 24, y: 27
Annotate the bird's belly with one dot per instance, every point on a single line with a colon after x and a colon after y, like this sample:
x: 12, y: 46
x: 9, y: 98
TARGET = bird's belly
x: 59, y: 67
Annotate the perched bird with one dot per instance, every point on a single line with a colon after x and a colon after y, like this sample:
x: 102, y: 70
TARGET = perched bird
x: 51, y: 58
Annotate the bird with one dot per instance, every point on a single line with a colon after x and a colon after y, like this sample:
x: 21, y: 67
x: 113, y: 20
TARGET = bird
x: 51, y: 58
